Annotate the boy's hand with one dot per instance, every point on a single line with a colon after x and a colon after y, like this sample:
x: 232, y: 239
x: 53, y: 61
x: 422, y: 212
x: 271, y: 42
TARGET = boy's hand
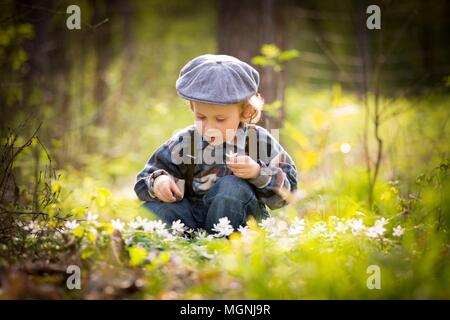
x: 166, y: 190
x: 243, y: 166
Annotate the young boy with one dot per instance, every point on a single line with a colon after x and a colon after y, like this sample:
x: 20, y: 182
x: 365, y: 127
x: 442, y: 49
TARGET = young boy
x: 223, y: 165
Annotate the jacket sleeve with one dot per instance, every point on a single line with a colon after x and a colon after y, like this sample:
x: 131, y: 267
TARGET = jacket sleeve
x: 159, y: 163
x: 278, y: 175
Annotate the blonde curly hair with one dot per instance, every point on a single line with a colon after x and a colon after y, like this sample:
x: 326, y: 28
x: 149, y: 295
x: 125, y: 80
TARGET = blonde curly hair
x: 251, y: 109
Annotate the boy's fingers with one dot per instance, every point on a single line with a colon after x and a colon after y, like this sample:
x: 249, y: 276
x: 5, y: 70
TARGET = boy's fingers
x: 240, y: 158
x: 237, y: 165
x: 243, y: 159
x: 175, y: 189
x: 239, y: 172
x: 167, y: 195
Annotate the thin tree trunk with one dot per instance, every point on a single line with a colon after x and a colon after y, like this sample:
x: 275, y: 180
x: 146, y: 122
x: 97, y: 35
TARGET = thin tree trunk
x: 244, y: 26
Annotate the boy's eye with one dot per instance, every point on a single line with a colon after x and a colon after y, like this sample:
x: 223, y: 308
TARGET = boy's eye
x: 220, y: 120
x: 200, y: 117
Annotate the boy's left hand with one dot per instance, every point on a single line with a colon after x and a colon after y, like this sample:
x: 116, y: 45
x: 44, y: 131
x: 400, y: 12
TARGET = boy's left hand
x: 244, y: 166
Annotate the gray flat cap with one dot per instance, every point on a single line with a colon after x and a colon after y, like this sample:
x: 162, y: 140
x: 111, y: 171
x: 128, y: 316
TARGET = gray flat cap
x: 217, y: 79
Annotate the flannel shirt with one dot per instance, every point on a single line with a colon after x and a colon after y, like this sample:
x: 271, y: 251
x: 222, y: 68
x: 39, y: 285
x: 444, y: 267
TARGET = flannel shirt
x: 278, y: 174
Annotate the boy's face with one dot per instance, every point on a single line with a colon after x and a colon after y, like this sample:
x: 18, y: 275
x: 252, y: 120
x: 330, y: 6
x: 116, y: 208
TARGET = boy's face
x: 217, y: 123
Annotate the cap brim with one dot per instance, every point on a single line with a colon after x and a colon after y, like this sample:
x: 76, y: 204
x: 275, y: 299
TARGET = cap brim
x: 214, y: 102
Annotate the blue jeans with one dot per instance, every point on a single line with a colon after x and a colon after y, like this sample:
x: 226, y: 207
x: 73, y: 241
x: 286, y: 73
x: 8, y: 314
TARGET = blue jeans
x: 230, y: 197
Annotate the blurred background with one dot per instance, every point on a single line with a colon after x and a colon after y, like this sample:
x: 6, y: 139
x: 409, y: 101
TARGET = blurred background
x: 354, y: 105
x: 349, y: 100
x: 363, y: 112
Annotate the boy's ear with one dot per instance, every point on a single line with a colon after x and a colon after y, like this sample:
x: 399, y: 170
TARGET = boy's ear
x: 246, y: 111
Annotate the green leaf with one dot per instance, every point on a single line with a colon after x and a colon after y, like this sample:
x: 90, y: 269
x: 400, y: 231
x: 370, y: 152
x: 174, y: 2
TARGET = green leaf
x: 289, y: 55
x: 79, y: 211
x: 137, y: 255
x: 259, y: 60
x: 78, y: 231
x: 26, y: 30
x: 91, y: 236
x: 103, y: 196
x: 87, y: 253
x: 270, y: 50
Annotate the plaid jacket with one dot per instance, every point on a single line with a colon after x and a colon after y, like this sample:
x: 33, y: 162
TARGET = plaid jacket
x: 277, y: 179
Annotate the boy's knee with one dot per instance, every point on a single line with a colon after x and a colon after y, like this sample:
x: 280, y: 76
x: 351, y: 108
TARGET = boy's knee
x: 231, y: 187
x: 169, y: 212
x: 165, y: 211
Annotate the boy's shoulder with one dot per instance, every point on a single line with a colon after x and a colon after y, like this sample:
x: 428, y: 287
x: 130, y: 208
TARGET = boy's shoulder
x: 179, y: 136
x: 263, y: 133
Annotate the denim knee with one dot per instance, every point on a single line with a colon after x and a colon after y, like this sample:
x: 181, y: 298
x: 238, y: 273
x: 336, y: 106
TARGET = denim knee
x: 169, y: 212
x: 230, y: 187
x: 230, y: 197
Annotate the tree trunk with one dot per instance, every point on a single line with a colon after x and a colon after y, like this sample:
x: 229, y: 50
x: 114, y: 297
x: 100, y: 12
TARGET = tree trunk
x: 244, y: 26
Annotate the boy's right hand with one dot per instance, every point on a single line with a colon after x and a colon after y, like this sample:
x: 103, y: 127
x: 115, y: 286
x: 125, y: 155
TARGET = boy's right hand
x: 166, y: 190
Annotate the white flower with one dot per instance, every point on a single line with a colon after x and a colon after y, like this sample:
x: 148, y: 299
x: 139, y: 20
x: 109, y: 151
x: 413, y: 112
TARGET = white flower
x: 266, y: 223
x: 165, y: 234
x: 246, y: 232
x: 71, y: 224
x: 319, y: 229
x: 341, y: 228
x: 204, y: 253
x: 243, y: 230
x: 372, y: 232
x: 157, y: 226
x: 273, y: 225
x: 378, y: 229
x: 90, y: 216
x: 32, y: 227
x: 117, y: 224
x: 329, y: 236
x: 137, y: 223
x: 398, y: 231
x: 223, y: 228
x: 297, y: 227
x: 357, y: 225
x: 201, y: 234
x: 128, y: 240
x: 178, y: 227
x: 152, y: 226
x: 381, y: 222
x: 148, y: 225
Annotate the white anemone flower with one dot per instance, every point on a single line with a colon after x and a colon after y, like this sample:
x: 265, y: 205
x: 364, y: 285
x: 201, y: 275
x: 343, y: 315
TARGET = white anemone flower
x: 90, y: 216
x: 297, y: 227
x: 378, y: 229
x: 341, y: 227
x: 398, y: 231
x: 137, y: 223
x: 33, y: 227
x: 117, y: 224
x: 273, y: 225
x: 71, y: 224
x: 356, y: 225
x: 319, y: 229
x: 178, y: 227
x: 201, y: 234
x: 223, y: 228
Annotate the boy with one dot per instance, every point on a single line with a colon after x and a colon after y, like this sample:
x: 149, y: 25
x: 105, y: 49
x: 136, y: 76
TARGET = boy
x: 223, y: 165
